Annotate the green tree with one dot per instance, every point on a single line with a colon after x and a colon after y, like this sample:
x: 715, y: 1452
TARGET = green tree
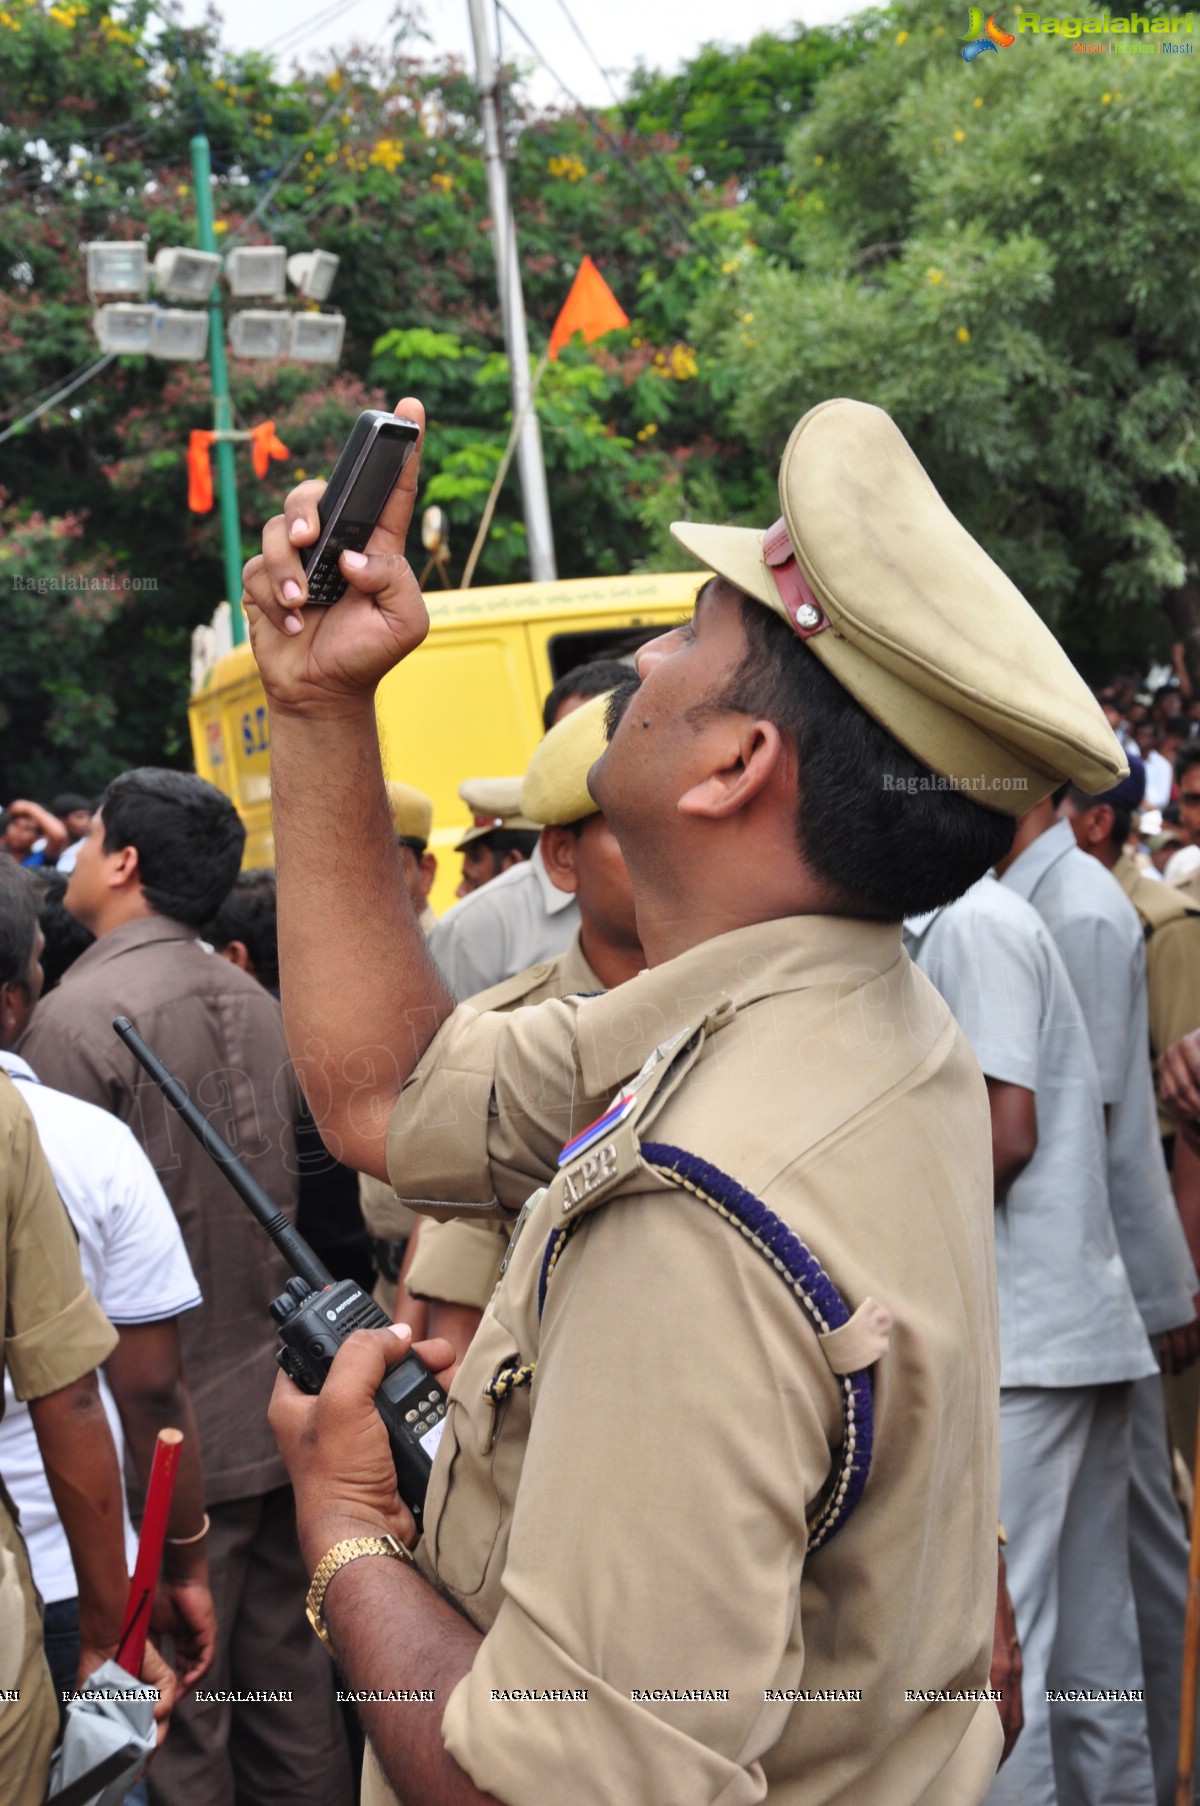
x: 999, y: 254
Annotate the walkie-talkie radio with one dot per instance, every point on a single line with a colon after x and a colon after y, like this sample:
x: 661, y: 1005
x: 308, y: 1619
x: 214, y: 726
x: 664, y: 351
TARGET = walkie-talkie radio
x: 317, y: 1312
x: 363, y: 478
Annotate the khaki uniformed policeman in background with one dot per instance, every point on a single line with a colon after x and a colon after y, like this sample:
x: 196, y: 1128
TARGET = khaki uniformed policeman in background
x: 457, y: 1263
x: 716, y: 1498
x: 500, y: 835
x: 52, y: 1333
x: 412, y: 824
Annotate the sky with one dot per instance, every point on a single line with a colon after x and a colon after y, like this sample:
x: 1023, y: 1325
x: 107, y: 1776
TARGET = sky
x: 618, y: 33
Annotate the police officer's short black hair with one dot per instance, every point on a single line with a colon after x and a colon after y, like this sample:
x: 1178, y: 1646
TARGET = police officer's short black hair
x: 890, y: 837
x: 595, y: 679
x: 249, y: 915
x: 188, y: 837
x: 1187, y: 756
x: 18, y: 920
x: 503, y: 841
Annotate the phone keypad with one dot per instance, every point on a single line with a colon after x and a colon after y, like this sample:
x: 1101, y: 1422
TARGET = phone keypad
x: 326, y: 584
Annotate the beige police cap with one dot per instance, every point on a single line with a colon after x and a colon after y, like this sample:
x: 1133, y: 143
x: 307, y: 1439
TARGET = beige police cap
x: 870, y: 568
x: 495, y: 803
x: 555, y: 790
x: 411, y: 811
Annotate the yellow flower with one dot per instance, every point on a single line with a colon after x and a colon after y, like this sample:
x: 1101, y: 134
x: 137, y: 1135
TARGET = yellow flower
x: 220, y: 225
x: 442, y: 182
x: 963, y: 336
x: 959, y: 136
x: 746, y: 319
x: 818, y: 160
x: 299, y: 476
x: 567, y: 169
x: 1106, y: 100
x: 939, y: 31
x: 902, y: 37
x: 335, y: 80
x: 683, y: 363
x: 183, y: 189
x: 978, y: 101
x: 730, y: 265
x: 936, y: 276
x: 648, y: 431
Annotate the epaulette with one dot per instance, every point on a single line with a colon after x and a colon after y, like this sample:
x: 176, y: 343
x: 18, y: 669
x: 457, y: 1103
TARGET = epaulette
x: 512, y: 990
x: 1159, y: 904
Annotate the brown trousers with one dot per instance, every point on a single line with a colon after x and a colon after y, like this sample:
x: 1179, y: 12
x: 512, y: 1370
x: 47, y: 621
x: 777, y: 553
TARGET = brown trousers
x: 258, y: 1753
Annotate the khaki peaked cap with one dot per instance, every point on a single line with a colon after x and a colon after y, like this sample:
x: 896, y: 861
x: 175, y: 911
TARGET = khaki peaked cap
x: 555, y: 791
x: 411, y: 811
x: 495, y: 803
x: 870, y: 568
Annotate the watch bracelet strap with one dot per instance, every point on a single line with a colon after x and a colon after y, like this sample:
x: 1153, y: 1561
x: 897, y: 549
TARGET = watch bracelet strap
x: 340, y: 1556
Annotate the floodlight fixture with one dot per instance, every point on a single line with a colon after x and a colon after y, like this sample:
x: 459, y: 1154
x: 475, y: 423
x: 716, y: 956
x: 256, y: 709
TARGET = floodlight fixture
x: 257, y: 272
x: 179, y: 332
x: 256, y: 332
x: 181, y: 274
x: 317, y: 338
x: 117, y: 267
x: 124, y: 327
x: 312, y: 272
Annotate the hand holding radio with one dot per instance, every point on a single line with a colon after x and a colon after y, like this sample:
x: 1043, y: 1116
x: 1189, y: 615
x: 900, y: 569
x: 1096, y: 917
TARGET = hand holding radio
x: 336, y: 1445
x: 325, y: 625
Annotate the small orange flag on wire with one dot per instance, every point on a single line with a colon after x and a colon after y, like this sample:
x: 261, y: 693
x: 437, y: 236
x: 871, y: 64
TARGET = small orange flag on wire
x: 591, y: 308
x: 200, y: 489
x: 264, y: 446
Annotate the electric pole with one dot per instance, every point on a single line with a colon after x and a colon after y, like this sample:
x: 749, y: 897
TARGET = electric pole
x: 530, y: 463
x: 231, y: 533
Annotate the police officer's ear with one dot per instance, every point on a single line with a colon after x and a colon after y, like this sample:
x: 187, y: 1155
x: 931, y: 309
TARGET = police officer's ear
x: 238, y: 954
x: 15, y: 1010
x: 749, y: 759
x: 558, y: 855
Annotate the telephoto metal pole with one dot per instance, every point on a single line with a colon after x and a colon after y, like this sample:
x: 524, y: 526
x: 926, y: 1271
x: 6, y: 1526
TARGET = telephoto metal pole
x: 530, y: 462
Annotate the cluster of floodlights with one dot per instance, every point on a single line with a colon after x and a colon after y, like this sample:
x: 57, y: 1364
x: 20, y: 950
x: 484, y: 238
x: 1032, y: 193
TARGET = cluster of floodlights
x: 253, y: 272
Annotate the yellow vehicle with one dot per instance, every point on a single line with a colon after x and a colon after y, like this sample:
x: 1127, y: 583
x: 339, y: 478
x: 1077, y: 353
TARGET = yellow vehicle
x: 468, y: 705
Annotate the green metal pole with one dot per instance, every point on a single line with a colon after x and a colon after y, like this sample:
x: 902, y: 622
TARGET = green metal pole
x: 222, y: 423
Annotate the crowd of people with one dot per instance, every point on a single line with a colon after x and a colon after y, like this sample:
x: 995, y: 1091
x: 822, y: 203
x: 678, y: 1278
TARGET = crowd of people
x: 695, y: 1534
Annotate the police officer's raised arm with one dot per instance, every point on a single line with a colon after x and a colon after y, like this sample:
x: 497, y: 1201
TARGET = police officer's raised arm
x: 361, y: 996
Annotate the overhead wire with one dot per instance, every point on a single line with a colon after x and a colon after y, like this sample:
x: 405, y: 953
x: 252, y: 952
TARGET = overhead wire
x: 69, y: 389
x: 660, y: 197
x: 570, y: 18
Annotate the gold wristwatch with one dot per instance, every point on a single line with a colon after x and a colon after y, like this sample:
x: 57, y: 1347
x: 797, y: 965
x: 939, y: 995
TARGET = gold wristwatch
x: 338, y: 1557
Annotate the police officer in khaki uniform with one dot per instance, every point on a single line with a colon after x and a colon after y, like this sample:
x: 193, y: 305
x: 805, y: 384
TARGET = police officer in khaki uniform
x: 412, y: 824
x: 52, y: 1333
x: 456, y: 1264
x: 500, y: 835
x: 716, y: 1497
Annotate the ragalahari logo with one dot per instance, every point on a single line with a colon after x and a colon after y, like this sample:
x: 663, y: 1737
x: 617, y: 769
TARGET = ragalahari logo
x: 984, y: 37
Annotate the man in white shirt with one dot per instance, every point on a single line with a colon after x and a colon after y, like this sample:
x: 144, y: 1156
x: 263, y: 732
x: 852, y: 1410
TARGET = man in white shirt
x: 135, y: 1263
x: 1071, y: 1344
x: 1096, y: 929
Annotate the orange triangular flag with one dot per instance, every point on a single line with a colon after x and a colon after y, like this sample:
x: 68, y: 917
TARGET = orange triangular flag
x: 264, y: 446
x: 200, y: 489
x: 591, y: 308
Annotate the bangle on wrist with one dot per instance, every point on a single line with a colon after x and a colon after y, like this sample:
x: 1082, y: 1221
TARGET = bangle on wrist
x: 181, y: 1542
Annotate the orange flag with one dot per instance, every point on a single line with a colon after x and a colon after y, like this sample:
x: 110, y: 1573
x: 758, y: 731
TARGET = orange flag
x: 264, y: 446
x: 200, y: 489
x: 591, y: 308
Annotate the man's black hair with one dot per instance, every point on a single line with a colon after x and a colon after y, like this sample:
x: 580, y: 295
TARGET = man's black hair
x: 594, y: 679
x: 65, y: 938
x: 891, y: 838
x: 68, y: 802
x: 188, y: 837
x: 18, y: 921
x: 1187, y: 756
x: 504, y: 841
x: 248, y: 914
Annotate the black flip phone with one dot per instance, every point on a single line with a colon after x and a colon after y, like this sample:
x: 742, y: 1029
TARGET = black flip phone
x: 364, y: 476
x: 316, y: 1313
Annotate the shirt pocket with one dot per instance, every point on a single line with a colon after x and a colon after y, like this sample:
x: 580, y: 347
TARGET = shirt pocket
x: 475, y: 1478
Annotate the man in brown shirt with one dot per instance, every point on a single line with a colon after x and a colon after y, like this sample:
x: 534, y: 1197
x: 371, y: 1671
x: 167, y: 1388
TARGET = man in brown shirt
x: 162, y: 851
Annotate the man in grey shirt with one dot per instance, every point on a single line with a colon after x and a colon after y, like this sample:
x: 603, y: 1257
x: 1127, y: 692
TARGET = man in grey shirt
x: 1096, y: 929
x: 1071, y: 1344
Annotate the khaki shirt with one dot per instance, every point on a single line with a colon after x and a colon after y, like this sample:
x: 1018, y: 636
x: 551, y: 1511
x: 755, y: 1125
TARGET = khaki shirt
x: 52, y: 1332
x: 1171, y: 923
x: 459, y: 1262
x: 636, y: 1519
x: 221, y: 1034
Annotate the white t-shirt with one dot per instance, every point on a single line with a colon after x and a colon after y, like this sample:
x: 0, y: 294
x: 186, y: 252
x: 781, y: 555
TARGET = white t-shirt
x: 135, y: 1263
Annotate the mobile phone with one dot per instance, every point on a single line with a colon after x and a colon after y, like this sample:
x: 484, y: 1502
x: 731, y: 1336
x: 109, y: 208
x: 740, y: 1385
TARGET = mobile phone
x: 364, y: 476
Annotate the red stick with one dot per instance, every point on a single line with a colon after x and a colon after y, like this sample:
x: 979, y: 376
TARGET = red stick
x: 144, y: 1584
